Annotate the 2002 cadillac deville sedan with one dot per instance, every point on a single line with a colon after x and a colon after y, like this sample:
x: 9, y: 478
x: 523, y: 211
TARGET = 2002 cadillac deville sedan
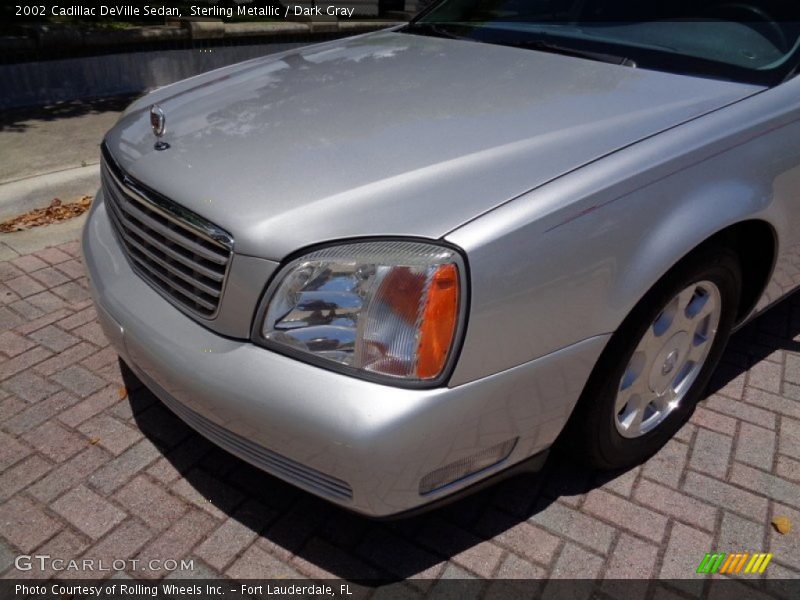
x: 389, y: 267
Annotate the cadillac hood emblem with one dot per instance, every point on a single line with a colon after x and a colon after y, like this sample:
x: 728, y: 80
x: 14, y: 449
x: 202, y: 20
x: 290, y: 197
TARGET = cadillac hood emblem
x: 158, y: 123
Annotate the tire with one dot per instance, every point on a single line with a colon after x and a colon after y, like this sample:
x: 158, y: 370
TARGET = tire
x: 603, y: 427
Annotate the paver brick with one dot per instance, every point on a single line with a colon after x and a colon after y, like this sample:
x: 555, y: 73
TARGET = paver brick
x: 30, y: 387
x: 395, y: 555
x: 632, y: 559
x: 122, y: 543
x: 710, y: 419
x: 6, y: 295
x: 29, y: 262
x: 94, y: 404
x: 8, y: 270
x: 52, y: 255
x: 54, y: 338
x: 766, y: 375
x: 24, y: 285
x: 756, y: 446
x: 72, y: 248
x: 789, y: 443
x: 69, y: 474
x: 157, y: 508
x: 24, y: 524
x: 574, y: 558
x: 738, y: 534
x: 675, y: 504
x: 576, y: 526
x: 668, y: 464
x: 626, y: 514
x: 72, y: 292
x: 88, y: 512
x: 65, y: 546
x: 516, y: 567
x: 81, y: 317
x: 39, y: 413
x: 788, y: 468
x: 320, y: 560
x: 65, y: 359
x: 94, y: 475
x: 50, y: 277
x: 26, y: 309
x: 30, y: 326
x: 55, y: 441
x: 787, y: 404
x: 685, y: 549
x: 711, y: 453
x: 78, y: 380
x: 23, y: 361
x: 178, y: 540
x: 97, y: 361
x: 9, y: 319
x: 47, y: 303
x: 222, y: 546
x: 22, y: 475
x: 766, y: 484
x: 727, y: 496
x: 11, y: 451
x: 465, y: 549
x: 72, y: 268
x: 110, y: 433
x: 623, y: 483
x: 257, y: 563
x: 119, y: 470
x: 12, y: 344
x: 742, y: 410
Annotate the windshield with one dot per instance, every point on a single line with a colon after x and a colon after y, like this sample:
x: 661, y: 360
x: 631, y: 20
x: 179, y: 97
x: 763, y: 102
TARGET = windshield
x: 756, y: 41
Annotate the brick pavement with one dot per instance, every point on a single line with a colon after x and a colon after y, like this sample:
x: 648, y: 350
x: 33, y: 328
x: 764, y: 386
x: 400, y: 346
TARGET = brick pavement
x: 86, y: 473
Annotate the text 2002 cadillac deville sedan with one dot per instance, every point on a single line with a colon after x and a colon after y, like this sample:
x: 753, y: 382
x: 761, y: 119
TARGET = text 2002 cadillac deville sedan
x: 389, y: 267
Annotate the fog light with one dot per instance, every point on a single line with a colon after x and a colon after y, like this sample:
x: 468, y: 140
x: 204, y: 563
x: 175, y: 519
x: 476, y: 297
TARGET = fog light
x: 466, y: 466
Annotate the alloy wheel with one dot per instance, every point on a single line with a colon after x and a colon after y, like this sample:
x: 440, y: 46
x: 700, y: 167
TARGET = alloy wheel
x: 667, y: 359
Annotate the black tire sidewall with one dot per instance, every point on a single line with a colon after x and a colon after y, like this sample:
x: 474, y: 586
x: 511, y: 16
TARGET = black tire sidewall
x: 605, y: 447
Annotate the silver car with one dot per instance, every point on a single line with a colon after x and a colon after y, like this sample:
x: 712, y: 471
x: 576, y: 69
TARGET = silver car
x: 392, y: 268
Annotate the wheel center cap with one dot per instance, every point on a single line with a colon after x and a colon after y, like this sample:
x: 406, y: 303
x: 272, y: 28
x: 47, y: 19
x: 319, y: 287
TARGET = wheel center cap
x: 665, y: 363
x: 670, y: 362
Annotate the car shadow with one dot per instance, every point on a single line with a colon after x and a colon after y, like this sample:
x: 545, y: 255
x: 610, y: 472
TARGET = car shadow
x: 18, y: 119
x: 315, y: 538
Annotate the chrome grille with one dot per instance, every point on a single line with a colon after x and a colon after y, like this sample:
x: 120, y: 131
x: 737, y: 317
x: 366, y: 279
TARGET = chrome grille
x: 176, y: 251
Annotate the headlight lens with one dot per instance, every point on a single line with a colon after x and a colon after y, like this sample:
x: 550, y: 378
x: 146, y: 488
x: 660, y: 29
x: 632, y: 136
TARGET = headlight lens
x: 387, y: 308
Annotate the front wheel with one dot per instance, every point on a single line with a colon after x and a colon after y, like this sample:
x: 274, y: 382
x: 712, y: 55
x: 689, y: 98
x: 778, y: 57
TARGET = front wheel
x: 658, y: 363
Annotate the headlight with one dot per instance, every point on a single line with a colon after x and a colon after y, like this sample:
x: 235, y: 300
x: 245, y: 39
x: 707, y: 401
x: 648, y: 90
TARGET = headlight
x: 388, y: 309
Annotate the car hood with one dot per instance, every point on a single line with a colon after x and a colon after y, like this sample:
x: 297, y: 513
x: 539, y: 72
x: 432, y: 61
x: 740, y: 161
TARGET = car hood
x: 390, y: 134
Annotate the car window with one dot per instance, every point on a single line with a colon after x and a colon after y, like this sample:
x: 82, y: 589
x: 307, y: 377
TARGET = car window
x: 753, y: 41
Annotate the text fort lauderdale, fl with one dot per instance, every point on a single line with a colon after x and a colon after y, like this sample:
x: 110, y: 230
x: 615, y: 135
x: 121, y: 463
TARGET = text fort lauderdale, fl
x: 242, y: 10
x: 169, y: 589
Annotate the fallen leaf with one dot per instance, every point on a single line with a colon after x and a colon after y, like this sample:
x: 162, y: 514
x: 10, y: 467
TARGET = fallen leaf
x: 57, y: 211
x: 782, y: 525
x: 94, y: 441
x: 122, y: 392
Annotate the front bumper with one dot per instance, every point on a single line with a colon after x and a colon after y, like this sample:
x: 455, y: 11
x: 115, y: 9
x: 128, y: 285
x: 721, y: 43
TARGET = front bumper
x: 360, y: 444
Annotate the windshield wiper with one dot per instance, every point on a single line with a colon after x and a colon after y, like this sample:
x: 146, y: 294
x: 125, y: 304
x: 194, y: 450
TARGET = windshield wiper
x: 545, y: 46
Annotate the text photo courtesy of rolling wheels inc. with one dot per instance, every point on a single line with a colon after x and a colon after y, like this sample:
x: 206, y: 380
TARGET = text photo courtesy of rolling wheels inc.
x: 367, y: 299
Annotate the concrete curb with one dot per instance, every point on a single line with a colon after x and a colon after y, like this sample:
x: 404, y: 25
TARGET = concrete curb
x: 38, y: 238
x: 20, y: 196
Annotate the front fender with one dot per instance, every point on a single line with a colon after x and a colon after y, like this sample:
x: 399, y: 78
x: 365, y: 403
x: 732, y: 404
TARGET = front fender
x: 569, y: 260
